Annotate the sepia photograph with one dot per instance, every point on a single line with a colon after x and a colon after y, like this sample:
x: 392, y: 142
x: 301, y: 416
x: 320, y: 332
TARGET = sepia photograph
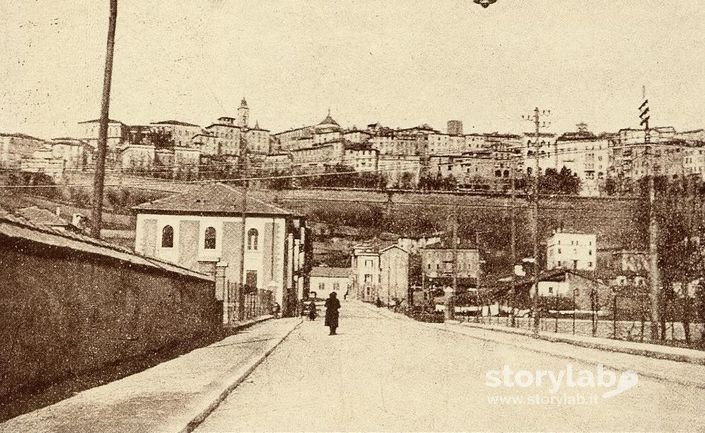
x: 352, y: 216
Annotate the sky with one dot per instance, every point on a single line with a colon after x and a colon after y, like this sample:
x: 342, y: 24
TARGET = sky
x: 398, y: 62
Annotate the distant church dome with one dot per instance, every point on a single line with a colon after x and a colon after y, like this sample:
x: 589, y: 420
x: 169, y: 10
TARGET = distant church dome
x: 328, y: 125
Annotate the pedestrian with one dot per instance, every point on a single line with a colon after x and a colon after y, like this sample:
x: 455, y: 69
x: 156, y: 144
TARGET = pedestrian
x: 332, y: 307
x: 276, y: 309
x: 312, y: 310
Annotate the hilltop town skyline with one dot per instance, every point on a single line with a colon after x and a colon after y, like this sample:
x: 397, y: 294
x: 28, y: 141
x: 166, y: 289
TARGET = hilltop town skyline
x: 393, y: 63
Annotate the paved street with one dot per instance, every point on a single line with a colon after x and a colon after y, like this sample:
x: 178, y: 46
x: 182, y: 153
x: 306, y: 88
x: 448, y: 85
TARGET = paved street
x: 387, y: 373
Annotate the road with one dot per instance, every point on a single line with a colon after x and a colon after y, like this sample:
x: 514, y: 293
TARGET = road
x: 384, y: 373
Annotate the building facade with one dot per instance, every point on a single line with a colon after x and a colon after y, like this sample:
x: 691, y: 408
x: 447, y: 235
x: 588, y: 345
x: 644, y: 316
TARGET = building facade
x: 202, y: 229
x: 367, y: 277
x: 394, y: 270
x: 326, y: 280
x: 569, y: 250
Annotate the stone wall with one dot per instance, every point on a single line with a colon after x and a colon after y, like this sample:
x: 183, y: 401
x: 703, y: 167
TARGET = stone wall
x: 63, y: 312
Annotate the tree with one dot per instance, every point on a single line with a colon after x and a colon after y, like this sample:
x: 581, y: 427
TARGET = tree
x: 679, y: 212
x: 563, y: 182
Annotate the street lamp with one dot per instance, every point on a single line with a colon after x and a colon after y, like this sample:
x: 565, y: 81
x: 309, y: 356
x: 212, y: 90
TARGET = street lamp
x: 485, y: 3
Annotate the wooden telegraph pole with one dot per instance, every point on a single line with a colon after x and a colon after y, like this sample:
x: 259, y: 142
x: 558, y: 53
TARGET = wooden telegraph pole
x: 654, y: 277
x: 99, y: 175
x: 535, y: 118
x: 450, y: 297
x: 244, y: 173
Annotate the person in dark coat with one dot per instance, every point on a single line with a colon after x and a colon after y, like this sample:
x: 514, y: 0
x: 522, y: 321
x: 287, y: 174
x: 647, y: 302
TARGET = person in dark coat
x: 312, y: 311
x: 332, y: 307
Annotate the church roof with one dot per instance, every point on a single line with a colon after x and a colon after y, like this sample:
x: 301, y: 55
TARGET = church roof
x: 328, y: 122
x: 215, y: 198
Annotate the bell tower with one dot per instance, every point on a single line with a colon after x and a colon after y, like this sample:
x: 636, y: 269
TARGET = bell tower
x: 243, y: 114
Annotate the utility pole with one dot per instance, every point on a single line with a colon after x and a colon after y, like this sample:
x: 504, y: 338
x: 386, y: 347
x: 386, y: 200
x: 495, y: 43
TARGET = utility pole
x: 450, y: 298
x: 512, y: 288
x: 654, y: 278
x: 479, y: 270
x: 535, y: 118
x: 244, y: 173
x: 99, y: 175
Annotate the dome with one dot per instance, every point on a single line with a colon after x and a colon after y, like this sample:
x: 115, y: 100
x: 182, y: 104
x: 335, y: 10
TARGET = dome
x: 328, y: 124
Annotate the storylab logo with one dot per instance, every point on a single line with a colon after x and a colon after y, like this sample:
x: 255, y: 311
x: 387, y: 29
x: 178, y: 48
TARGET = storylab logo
x: 569, y: 385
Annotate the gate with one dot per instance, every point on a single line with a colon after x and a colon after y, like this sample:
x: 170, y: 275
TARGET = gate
x: 256, y: 302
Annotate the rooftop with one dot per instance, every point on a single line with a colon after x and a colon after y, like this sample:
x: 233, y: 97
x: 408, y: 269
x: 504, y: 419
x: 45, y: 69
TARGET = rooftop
x: 41, y: 217
x: 214, y: 198
x: 18, y: 229
x: 173, y: 122
x: 324, y: 271
x: 98, y: 120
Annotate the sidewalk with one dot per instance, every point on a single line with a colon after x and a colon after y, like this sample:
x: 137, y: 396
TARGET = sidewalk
x: 614, y: 356
x: 635, y: 348
x: 171, y: 397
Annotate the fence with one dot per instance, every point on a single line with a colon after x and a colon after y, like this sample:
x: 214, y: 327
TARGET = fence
x: 255, y: 303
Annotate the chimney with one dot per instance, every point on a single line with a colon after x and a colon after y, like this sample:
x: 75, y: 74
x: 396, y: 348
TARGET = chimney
x: 58, y: 211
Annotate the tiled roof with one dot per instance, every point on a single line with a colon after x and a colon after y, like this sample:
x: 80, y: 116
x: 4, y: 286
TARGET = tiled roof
x: 211, y: 198
x: 14, y: 227
x: 41, y: 217
x: 324, y: 271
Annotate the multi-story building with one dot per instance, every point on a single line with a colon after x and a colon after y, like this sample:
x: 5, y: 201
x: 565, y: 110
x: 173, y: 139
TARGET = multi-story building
x: 201, y: 229
x: 355, y: 135
x: 497, y: 141
x: 391, y: 144
x: 181, y: 133
x: 401, y: 171
x: 360, y: 157
x: 137, y: 157
x: 394, y: 271
x: 319, y: 157
x: 693, y: 138
x: 629, y: 136
x: 326, y: 280
x: 694, y: 161
x: 15, y: 147
x: 546, y: 152
x: 229, y: 135
x: 476, y: 167
x: 632, y: 160
x: 586, y: 156
x: 437, y: 261
x: 293, y: 139
x: 117, y: 132
x: 442, y: 144
x: 74, y: 152
x: 367, y: 276
x: 46, y: 162
x: 571, y: 250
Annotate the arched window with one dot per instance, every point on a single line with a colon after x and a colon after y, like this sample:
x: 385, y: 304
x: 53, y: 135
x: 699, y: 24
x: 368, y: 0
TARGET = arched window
x: 209, y: 243
x: 252, y: 238
x: 168, y: 237
x: 506, y: 173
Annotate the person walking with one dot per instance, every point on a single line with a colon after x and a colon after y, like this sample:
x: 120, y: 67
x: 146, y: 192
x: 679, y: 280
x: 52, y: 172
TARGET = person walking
x: 312, y: 311
x: 332, y: 307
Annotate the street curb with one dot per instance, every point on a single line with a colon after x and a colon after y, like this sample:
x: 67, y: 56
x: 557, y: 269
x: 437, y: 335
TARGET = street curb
x: 640, y: 371
x: 236, y: 379
x: 385, y: 312
x: 606, y: 346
